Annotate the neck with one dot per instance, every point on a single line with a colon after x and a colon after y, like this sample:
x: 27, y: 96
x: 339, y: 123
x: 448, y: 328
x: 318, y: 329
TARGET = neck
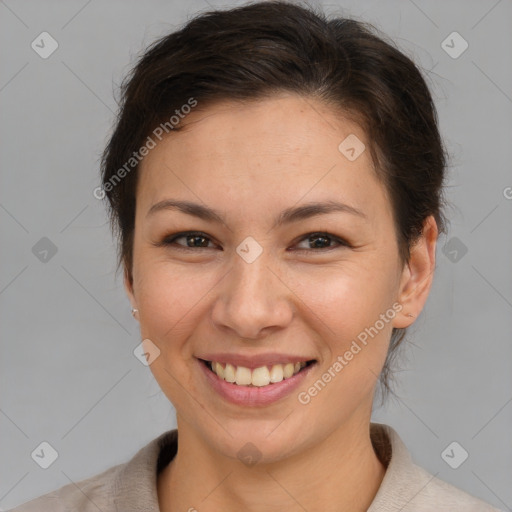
x: 342, y: 472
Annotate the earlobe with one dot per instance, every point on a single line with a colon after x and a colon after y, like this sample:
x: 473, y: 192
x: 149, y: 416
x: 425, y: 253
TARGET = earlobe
x: 417, y: 275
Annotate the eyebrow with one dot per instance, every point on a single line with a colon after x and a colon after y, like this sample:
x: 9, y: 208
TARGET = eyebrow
x: 287, y: 216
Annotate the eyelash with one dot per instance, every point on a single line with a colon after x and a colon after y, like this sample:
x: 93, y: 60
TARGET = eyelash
x: 169, y: 241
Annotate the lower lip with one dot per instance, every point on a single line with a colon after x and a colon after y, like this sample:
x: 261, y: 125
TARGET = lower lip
x: 253, y: 395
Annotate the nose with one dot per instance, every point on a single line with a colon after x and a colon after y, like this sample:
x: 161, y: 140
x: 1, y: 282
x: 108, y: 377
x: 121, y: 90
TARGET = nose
x: 253, y: 300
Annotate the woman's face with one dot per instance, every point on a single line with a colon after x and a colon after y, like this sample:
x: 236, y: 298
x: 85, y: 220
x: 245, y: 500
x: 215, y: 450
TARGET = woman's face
x: 258, y: 289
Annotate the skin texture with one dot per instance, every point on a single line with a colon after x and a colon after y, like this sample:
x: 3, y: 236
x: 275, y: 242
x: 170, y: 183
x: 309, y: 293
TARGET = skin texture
x: 251, y: 161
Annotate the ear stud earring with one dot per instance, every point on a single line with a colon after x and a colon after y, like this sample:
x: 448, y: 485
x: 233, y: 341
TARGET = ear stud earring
x: 134, y: 311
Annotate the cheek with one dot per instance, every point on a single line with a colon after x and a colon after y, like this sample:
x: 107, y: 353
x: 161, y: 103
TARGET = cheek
x: 349, y: 298
x: 170, y: 300
x: 355, y: 338
x: 169, y: 305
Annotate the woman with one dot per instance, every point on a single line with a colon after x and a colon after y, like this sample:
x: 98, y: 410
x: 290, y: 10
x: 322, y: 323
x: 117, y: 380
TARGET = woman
x: 275, y: 181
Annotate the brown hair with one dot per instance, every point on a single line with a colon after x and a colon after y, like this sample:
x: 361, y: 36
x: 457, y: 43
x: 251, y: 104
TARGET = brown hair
x: 259, y: 49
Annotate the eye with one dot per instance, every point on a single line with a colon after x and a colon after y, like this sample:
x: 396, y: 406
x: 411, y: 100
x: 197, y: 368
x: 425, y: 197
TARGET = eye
x: 194, y: 240
x: 319, y: 241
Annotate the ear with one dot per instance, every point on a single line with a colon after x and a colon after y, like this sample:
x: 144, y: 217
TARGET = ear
x: 417, y: 275
x: 128, y: 286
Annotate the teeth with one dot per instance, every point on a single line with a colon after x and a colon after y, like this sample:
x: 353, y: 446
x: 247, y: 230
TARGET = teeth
x: 276, y: 373
x: 243, y: 376
x: 288, y: 370
x: 258, y: 377
x: 229, y: 373
x: 218, y: 369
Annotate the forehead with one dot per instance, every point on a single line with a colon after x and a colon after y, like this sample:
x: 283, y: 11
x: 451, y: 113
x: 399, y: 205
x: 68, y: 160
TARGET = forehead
x: 276, y: 149
x: 287, y: 124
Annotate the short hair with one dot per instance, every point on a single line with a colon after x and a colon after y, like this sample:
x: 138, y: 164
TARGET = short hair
x: 258, y: 50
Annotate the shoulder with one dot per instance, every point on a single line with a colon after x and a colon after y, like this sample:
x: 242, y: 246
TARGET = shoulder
x: 88, y: 495
x: 410, y: 488
x: 127, y: 486
x: 438, y: 495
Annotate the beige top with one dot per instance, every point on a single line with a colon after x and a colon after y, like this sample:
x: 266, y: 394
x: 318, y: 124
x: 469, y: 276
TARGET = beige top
x: 131, y: 486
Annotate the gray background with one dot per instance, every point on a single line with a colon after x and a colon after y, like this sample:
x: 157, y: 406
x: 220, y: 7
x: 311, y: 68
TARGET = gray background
x: 68, y: 373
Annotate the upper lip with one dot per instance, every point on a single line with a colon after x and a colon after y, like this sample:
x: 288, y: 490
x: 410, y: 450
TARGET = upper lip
x: 254, y: 361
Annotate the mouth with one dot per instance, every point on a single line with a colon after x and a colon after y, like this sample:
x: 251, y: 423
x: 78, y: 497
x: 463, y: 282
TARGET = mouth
x: 261, y: 377
x: 257, y: 387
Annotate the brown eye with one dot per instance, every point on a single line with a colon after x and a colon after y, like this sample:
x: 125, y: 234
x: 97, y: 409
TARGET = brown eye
x: 193, y: 240
x: 322, y: 241
x: 316, y: 242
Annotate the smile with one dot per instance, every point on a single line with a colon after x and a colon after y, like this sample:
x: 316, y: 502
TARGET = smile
x: 258, y: 377
x: 261, y: 385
